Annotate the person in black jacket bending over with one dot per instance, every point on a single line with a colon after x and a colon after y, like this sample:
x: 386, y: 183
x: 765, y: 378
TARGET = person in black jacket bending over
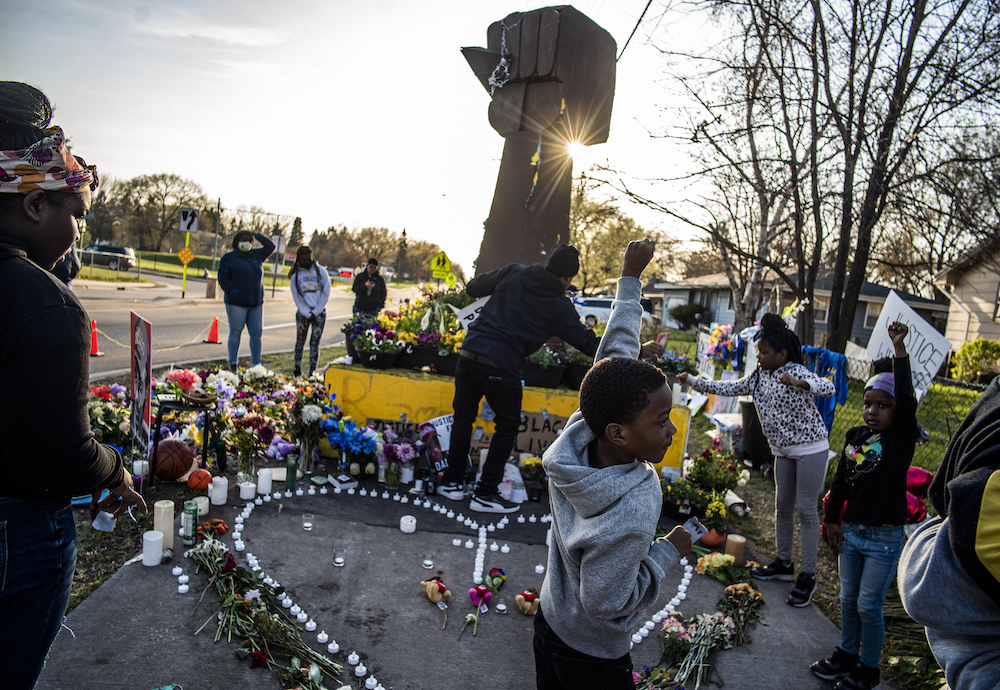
x: 47, y: 452
x: 528, y: 305
x: 369, y: 287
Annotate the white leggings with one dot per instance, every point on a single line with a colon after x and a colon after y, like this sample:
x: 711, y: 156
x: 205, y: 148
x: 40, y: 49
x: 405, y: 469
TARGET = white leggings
x: 798, y: 482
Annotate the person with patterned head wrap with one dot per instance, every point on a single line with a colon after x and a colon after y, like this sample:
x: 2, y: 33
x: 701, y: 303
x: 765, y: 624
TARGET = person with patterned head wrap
x: 47, y: 451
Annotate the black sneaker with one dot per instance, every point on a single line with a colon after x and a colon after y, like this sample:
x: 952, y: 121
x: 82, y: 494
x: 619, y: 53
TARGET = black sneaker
x: 776, y: 571
x: 805, y: 586
x: 492, y: 503
x: 451, y: 490
x: 297, y: 373
x: 861, y: 678
x: 837, y: 666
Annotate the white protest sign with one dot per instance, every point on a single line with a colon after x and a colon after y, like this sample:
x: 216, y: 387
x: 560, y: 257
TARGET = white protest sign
x: 442, y: 425
x: 925, y: 345
x: 468, y: 315
x: 706, y: 367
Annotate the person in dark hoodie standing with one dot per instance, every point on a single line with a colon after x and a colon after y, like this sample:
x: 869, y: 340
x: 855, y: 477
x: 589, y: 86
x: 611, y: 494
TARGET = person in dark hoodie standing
x: 369, y: 286
x: 605, y: 566
x: 241, y: 277
x: 949, y: 572
x: 528, y: 305
x: 47, y: 451
x: 869, y: 489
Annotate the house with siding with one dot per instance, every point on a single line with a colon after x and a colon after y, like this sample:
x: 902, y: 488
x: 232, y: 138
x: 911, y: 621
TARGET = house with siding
x: 972, y: 285
x: 712, y: 291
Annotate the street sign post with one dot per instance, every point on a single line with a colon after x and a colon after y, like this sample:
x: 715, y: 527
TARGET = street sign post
x: 440, y: 266
x: 188, y: 224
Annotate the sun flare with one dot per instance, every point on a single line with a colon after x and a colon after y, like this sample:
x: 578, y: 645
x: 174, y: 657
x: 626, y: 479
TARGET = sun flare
x: 577, y: 151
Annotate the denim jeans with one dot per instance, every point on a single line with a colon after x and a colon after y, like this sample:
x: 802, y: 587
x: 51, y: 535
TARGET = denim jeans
x: 372, y: 313
x: 302, y: 323
x: 253, y: 319
x: 797, y: 486
x: 868, y: 561
x: 560, y: 667
x: 37, y: 556
x: 473, y: 382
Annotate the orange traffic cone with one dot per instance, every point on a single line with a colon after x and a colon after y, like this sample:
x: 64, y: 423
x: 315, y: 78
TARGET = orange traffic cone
x: 213, y: 332
x: 94, y: 352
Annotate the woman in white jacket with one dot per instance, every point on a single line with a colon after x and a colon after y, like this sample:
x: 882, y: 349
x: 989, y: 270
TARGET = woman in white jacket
x: 783, y: 391
x: 310, y: 289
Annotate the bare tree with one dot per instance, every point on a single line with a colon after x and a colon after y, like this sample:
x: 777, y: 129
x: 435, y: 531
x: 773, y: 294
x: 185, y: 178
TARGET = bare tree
x: 153, y: 204
x: 818, y: 110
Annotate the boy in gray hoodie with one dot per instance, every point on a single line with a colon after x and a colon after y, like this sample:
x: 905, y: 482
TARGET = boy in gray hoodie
x: 605, y: 568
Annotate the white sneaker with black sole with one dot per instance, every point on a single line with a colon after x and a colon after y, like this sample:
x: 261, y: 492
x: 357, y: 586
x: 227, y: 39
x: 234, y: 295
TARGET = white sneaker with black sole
x: 452, y: 490
x: 493, y: 503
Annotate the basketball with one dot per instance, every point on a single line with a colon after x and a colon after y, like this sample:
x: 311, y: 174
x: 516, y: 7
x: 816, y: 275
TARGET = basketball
x: 199, y: 480
x: 173, y: 459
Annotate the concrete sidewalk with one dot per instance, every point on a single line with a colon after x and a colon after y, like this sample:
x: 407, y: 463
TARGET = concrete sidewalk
x: 137, y: 632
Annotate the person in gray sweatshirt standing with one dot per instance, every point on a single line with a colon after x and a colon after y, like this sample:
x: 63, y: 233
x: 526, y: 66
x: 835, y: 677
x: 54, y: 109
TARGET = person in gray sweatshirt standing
x: 310, y: 290
x: 605, y: 567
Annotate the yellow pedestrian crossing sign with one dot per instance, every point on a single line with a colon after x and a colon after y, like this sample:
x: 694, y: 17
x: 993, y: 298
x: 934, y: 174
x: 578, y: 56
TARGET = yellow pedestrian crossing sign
x: 450, y: 280
x: 440, y: 266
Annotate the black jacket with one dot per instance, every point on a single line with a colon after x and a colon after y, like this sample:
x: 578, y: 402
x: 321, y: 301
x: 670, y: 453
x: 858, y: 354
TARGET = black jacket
x: 871, y: 474
x: 46, y: 447
x: 241, y: 274
x: 528, y: 306
x: 364, y: 301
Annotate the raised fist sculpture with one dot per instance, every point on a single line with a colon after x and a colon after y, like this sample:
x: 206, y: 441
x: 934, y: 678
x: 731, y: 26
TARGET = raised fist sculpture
x: 551, y: 74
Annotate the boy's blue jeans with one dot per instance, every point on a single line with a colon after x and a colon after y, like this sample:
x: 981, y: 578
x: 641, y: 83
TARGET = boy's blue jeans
x: 868, y: 561
x: 37, y: 556
x: 253, y: 319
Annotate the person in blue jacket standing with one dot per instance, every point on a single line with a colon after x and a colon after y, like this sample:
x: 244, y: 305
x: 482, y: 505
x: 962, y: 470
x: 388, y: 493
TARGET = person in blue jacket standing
x: 241, y: 277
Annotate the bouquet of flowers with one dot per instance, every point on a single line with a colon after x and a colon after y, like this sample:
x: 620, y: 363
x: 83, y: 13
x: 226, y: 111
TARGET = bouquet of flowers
x: 675, y: 642
x: 685, y: 494
x: 720, y: 567
x: 357, y: 325
x: 248, y: 434
x: 715, y: 513
x: 311, y: 411
x: 531, y: 469
x: 742, y: 603
x: 110, y: 414
x: 708, y: 632
x: 671, y: 366
x: 658, y: 677
x: 377, y: 338
x: 398, y: 450
x: 347, y: 435
x: 715, y: 470
x: 722, y: 346
x: 183, y: 380
x: 245, y: 612
x: 545, y: 357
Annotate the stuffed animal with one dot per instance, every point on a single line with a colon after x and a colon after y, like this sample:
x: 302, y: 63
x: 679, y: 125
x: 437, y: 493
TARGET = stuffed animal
x: 527, y: 601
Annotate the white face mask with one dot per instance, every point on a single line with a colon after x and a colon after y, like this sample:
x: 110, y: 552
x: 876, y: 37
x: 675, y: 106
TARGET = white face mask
x: 244, y: 246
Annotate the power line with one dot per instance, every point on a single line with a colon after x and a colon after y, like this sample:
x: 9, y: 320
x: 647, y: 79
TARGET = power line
x: 634, y: 30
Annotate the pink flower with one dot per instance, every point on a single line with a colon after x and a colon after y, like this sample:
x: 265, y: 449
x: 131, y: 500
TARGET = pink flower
x: 636, y: 677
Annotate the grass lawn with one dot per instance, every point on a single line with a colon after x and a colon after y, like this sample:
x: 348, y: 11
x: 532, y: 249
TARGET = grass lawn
x: 109, y: 276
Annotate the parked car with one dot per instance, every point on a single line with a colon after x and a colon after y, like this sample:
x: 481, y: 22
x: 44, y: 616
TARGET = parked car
x: 594, y: 309
x: 115, y: 258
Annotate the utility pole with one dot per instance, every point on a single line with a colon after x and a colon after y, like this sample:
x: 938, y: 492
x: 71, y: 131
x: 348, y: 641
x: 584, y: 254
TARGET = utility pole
x: 215, y: 245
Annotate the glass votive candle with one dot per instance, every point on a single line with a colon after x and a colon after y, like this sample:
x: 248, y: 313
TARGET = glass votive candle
x: 307, y: 521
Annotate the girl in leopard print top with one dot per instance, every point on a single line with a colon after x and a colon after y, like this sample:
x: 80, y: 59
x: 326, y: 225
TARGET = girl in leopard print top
x: 783, y: 391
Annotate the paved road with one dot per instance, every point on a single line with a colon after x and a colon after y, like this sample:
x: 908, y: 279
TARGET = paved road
x: 181, y: 324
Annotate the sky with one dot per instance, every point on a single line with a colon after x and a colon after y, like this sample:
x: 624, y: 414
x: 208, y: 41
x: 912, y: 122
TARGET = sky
x: 343, y: 113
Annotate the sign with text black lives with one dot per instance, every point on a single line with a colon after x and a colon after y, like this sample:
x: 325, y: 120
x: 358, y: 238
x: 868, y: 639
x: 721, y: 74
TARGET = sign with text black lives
x: 536, y: 433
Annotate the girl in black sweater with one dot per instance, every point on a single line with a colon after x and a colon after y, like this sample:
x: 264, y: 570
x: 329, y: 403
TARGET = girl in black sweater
x: 871, y: 479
